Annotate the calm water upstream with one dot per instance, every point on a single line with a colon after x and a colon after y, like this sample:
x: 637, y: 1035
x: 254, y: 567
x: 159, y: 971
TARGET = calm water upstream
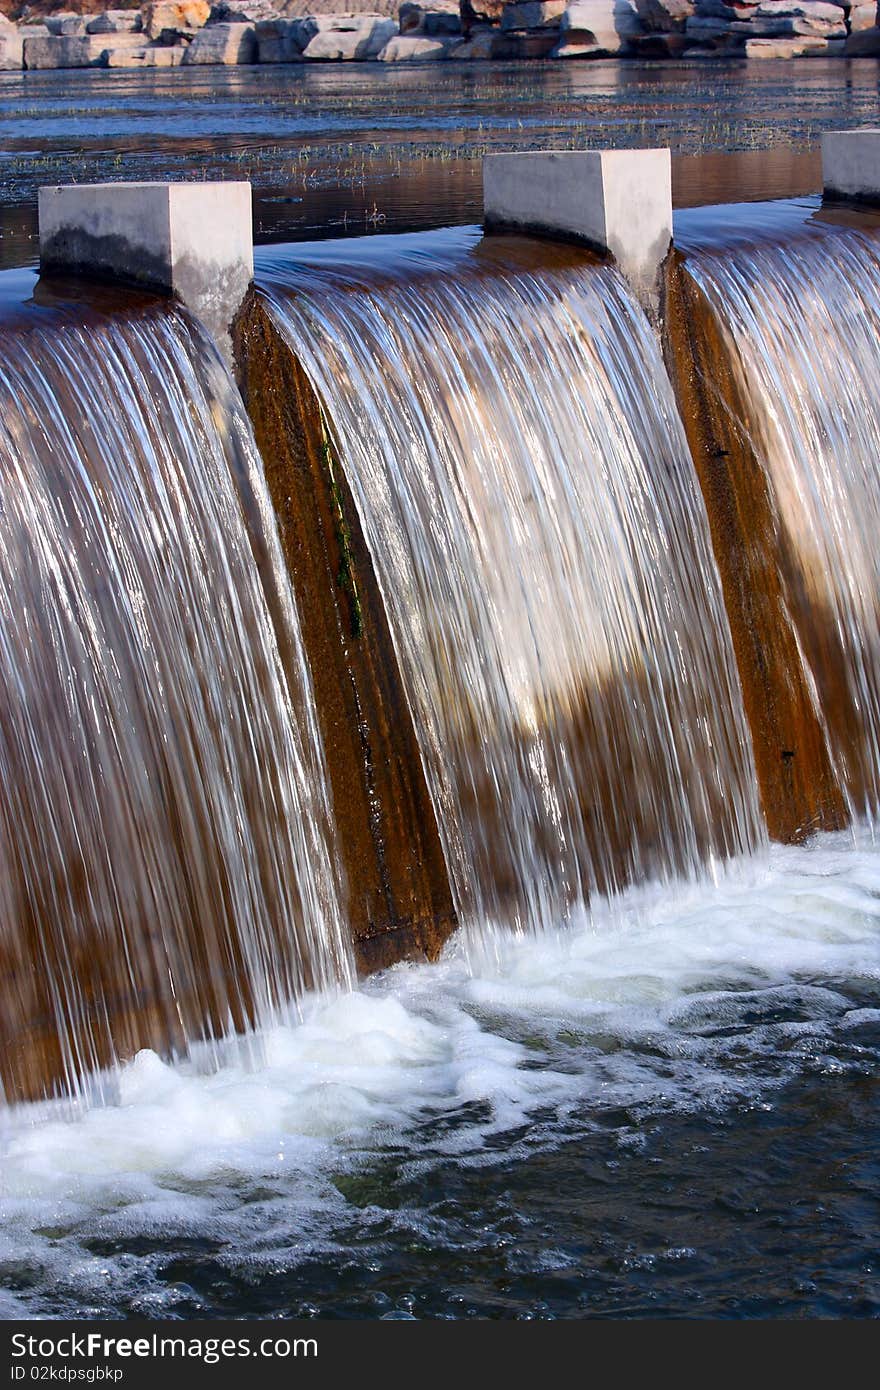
x: 347, y: 149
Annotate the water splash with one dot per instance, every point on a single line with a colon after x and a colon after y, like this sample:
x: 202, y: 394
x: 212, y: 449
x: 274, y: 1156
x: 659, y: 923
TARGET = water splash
x: 512, y: 443
x: 166, y: 868
x: 802, y: 322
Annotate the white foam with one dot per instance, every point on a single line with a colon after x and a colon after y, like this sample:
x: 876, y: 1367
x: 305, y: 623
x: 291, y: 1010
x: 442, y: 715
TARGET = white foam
x: 705, y: 997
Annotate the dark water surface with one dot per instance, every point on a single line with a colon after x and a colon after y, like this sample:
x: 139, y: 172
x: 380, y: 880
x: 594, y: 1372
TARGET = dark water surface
x: 348, y: 149
x: 673, y: 1111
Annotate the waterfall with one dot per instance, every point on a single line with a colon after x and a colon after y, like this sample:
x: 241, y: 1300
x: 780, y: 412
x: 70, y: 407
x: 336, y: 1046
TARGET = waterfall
x: 505, y: 423
x: 166, y: 859
x: 801, y: 324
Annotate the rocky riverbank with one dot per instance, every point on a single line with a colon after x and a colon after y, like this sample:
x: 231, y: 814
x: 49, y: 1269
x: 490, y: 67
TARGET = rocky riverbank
x: 194, y: 32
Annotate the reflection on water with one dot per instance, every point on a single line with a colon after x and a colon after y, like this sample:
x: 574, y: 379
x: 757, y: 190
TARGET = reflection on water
x: 344, y: 149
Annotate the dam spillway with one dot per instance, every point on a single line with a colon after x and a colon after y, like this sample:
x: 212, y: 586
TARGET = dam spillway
x: 520, y: 472
x: 504, y: 682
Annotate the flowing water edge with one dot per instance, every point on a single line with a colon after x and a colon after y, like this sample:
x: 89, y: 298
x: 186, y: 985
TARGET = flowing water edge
x: 668, y: 1109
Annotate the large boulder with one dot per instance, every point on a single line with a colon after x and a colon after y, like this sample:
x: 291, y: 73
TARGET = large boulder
x: 414, y: 48
x: 435, y: 19
x: 116, y: 22
x: 665, y: 16
x: 478, y: 12
x: 786, y: 48
x: 354, y: 37
x: 169, y: 20
x: 11, y: 46
x: 865, y: 44
x: 478, y: 47
x: 598, y: 28
x: 158, y: 56
x: 68, y: 26
x: 87, y: 51
x: 223, y: 45
x: 278, y: 40
x: 529, y: 15
x: 862, y: 18
x: 243, y: 11
x: 772, y: 18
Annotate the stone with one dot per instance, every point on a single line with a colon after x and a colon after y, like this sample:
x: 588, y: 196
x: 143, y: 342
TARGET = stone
x: 68, y: 26
x: 243, y: 12
x: 194, y: 240
x: 439, y: 18
x: 222, y: 45
x: 797, y: 9
x: 414, y: 48
x: 654, y: 45
x: 363, y: 38
x: 476, y: 12
x: 725, y: 9
x: 600, y: 26
x: 479, y: 47
x: 786, y: 48
x: 167, y: 20
x: 537, y: 43
x: 88, y: 51
x: 851, y: 164
x: 160, y: 56
x: 664, y: 16
x: 863, y: 45
x: 116, y: 22
x: 11, y: 47
x: 532, y: 14
x: 278, y: 41
x: 614, y: 200
x: 862, y: 18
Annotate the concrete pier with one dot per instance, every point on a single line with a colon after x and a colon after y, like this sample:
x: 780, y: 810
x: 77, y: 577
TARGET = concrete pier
x: 851, y: 165
x: 193, y: 240
x: 617, y: 201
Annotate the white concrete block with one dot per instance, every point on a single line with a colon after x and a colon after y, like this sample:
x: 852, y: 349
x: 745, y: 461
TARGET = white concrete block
x: 194, y: 240
x: 851, y: 164
x: 613, y: 200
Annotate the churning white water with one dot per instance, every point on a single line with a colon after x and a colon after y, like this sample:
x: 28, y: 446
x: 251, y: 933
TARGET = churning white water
x: 691, y: 1000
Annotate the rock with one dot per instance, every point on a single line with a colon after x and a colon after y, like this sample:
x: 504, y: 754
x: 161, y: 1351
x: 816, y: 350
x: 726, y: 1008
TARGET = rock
x: 532, y: 14
x: 862, y: 18
x: 116, y: 22
x: 166, y: 21
x: 785, y: 48
x: 665, y: 16
x: 245, y: 12
x: 654, y: 45
x: 87, y: 51
x: 160, y: 56
x: 414, y: 48
x: 11, y: 47
x: 865, y: 44
x: 223, y: 45
x: 479, y: 47
x: 721, y: 9
x: 442, y: 17
x: 797, y: 9
x: 474, y: 12
x: 593, y: 27
x: 278, y: 41
x: 363, y: 38
x: 537, y: 44
x: 67, y: 25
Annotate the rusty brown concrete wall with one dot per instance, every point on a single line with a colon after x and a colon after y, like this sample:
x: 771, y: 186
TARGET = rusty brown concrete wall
x: 400, y: 902
x: 800, y: 792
